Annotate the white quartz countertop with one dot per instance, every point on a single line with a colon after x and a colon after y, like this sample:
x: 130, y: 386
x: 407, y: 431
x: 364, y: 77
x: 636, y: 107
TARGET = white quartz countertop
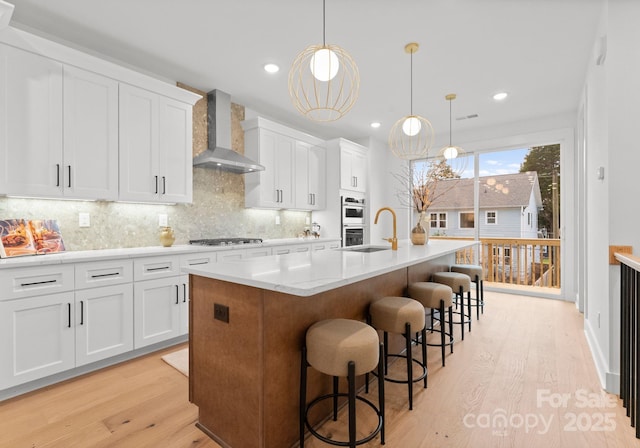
x: 306, y: 274
x: 136, y: 252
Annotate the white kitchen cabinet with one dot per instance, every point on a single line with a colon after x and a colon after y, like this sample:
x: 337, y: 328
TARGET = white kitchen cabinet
x: 61, y: 128
x: 30, y: 124
x: 104, y: 309
x: 104, y: 322
x: 325, y: 245
x: 254, y: 252
x: 160, y: 294
x: 353, y: 166
x: 90, y: 160
x: 38, y: 337
x: 310, y: 173
x: 292, y: 249
x: 155, y: 147
x: 272, y: 187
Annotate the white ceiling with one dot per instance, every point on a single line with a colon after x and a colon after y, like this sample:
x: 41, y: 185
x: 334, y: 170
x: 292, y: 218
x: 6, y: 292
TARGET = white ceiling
x: 537, y: 50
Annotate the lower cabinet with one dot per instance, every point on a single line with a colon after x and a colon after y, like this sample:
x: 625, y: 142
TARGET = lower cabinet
x: 38, y: 337
x: 104, y: 322
x: 160, y: 310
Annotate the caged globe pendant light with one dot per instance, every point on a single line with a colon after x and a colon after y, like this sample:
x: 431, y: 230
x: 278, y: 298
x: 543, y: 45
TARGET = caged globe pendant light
x: 411, y: 136
x: 455, y: 156
x: 324, y: 80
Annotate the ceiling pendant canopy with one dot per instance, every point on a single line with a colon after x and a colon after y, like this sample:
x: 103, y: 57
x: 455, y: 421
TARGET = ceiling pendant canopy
x: 455, y: 156
x: 323, y: 80
x: 411, y: 136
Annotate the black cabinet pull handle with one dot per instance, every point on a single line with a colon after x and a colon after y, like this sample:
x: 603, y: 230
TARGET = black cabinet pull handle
x: 69, y: 314
x: 156, y: 184
x: 57, y: 174
x: 177, y: 294
x: 161, y: 268
x: 44, y: 282
x: 82, y: 312
x: 112, y: 274
x: 184, y: 293
x: 164, y: 185
x: 69, y: 180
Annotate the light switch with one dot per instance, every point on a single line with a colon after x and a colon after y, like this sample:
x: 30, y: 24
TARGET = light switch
x: 163, y: 220
x: 84, y: 220
x: 277, y: 220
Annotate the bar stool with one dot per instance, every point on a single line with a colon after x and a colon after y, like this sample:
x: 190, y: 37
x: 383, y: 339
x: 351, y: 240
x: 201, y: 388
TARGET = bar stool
x: 476, y: 275
x: 400, y: 315
x: 342, y: 348
x: 435, y: 296
x: 459, y: 283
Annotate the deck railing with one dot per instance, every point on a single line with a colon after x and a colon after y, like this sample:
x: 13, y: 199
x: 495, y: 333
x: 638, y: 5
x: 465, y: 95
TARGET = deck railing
x: 517, y: 261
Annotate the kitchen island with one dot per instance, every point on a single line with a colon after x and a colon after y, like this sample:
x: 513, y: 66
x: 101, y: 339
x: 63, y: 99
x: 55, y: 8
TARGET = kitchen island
x: 248, y: 320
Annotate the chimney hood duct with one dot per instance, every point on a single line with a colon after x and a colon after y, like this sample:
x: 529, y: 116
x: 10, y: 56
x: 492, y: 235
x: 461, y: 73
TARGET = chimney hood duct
x: 219, y: 154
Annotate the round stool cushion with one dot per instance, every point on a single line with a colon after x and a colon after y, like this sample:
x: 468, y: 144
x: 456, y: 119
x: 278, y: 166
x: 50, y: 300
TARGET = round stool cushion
x: 470, y: 269
x: 429, y: 294
x: 391, y: 314
x: 453, y: 279
x: 332, y: 343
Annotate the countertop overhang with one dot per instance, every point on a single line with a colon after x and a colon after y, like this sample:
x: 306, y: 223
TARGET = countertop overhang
x: 307, y: 274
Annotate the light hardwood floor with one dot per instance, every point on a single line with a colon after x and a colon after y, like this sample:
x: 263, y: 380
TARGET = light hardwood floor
x: 526, y: 359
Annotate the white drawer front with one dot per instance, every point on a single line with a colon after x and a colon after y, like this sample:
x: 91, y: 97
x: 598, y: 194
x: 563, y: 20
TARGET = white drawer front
x: 198, y: 259
x: 103, y: 273
x: 16, y: 283
x: 149, y: 268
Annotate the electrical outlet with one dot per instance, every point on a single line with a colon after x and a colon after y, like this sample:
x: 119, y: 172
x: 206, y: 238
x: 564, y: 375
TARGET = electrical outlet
x: 307, y: 220
x: 221, y: 312
x: 163, y: 220
x: 84, y: 220
x: 277, y: 220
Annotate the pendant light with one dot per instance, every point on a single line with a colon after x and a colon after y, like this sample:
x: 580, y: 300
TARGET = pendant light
x: 411, y: 136
x: 324, y: 80
x: 455, y: 156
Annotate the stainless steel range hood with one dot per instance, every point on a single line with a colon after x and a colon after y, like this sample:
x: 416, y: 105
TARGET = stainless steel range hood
x: 219, y: 154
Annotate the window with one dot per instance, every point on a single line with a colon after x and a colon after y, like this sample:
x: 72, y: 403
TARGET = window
x: 467, y: 220
x: 491, y: 218
x: 438, y: 220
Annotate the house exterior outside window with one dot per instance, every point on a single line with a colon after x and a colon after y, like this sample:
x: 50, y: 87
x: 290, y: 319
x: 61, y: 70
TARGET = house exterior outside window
x: 466, y: 220
x: 438, y: 220
x: 491, y: 217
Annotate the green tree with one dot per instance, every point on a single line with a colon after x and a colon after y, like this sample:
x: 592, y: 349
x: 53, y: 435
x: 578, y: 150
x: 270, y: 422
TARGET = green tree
x: 545, y: 160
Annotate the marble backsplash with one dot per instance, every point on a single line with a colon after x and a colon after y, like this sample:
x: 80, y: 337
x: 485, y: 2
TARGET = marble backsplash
x: 217, y: 211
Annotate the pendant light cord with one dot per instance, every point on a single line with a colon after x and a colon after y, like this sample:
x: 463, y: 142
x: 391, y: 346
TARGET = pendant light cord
x: 324, y: 23
x: 411, y: 84
x: 450, y: 122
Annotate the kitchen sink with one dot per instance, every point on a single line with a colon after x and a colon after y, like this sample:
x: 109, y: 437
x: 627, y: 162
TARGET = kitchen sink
x: 368, y: 249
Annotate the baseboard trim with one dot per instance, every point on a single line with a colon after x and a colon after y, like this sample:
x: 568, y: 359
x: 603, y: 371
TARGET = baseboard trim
x: 606, y: 378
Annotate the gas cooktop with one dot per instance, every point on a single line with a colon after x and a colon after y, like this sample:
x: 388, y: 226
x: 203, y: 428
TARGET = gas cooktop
x: 226, y: 241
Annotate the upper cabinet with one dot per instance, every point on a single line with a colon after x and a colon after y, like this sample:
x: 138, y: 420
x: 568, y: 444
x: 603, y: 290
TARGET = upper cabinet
x: 30, y: 124
x: 77, y: 127
x: 353, y: 166
x: 155, y: 147
x: 294, y: 163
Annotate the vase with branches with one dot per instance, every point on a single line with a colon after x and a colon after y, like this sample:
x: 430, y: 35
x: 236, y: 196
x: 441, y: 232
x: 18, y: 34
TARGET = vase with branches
x: 422, y: 179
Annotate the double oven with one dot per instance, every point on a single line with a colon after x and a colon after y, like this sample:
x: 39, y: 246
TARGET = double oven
x: 353, y: 221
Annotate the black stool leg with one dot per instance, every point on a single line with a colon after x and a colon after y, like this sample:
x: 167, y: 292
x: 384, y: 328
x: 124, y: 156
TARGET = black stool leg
x: 407, y: 338
x: 469, y: 308
x: 335, y: 398
x: 460, y: 295
x: 478, y: 302
x: 451, y: 325
x: 381, y: 391
x: 352, y: 404
x: 442, y: 335
x: 482, y: 293
x: 386, y: 357
x: 424, y: 352
x: 303, y: 394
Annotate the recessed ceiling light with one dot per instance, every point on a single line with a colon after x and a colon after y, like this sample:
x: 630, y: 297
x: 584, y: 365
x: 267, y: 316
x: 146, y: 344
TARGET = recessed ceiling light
x: 271, y: 68
x: 500, y: 96
x: 375, y: 124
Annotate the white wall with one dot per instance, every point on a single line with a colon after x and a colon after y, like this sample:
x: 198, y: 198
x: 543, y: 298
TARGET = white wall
x: 612, y: 97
